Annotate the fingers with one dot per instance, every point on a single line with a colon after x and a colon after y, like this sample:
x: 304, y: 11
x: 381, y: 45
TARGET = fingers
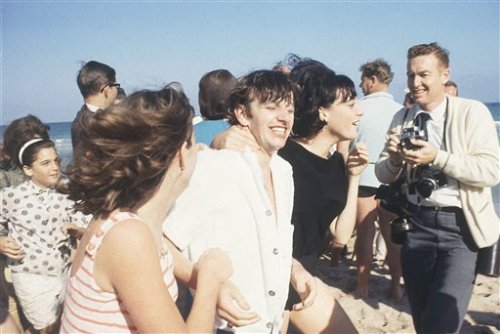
x: 11, y: 248
x: 240, y: 301
x: 311, y: 288
x: 239, y: 318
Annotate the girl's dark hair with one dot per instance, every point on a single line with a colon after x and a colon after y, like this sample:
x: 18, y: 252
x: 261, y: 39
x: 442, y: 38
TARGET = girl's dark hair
x: 125, y: 150
x: 320, y: 87
x: 30, y: 153
x: 19, y: 132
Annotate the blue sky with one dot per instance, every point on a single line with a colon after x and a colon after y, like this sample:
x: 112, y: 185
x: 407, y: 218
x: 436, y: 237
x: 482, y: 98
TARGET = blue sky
x: 151, y: 43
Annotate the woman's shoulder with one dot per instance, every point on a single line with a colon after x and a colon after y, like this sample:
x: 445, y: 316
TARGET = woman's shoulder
x: 10, y: 178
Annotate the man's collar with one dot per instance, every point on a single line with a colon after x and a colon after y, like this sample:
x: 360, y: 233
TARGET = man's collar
x: 437, y: 113
x: 92, y: 107
x: 377, y: 94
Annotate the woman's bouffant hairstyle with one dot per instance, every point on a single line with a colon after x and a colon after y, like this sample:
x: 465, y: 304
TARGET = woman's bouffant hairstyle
x: 213, y: 95
x: 263, y: 86
x: 320, y: 87
x: 126, y: 149
x: 19, y: 132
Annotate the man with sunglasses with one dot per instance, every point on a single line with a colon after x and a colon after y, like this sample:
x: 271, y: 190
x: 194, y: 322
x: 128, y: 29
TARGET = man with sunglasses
x: 98, y: 86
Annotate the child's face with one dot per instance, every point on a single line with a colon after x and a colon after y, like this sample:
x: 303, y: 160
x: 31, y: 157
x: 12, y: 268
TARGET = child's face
x: 45, y: 170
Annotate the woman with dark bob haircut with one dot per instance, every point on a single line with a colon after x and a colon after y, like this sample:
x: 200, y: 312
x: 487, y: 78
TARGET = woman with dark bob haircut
x: 135, y: 159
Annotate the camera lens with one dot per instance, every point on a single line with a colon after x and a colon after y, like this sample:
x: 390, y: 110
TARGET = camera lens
x: 425, y: 187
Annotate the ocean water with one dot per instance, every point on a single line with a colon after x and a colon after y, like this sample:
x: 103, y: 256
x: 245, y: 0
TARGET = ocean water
x: 60, y: 133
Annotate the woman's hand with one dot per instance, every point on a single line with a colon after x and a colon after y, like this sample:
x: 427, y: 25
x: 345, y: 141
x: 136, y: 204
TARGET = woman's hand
x: 357, y: 159
x: 232, y: 306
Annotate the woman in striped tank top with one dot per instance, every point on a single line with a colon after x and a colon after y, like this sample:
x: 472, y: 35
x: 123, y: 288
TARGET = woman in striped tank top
x: 133, y: 160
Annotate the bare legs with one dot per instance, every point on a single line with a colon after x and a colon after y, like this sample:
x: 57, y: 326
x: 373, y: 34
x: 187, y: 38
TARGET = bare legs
x: 369, y: 211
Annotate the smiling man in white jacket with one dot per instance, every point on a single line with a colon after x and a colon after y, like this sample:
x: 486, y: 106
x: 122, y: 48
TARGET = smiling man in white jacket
x: 457, y: 216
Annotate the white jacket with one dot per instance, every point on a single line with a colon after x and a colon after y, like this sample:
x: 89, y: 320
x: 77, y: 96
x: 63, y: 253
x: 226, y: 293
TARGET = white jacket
x: 472, y: 158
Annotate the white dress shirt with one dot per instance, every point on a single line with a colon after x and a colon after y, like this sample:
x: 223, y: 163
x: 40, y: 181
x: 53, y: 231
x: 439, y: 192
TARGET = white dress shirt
x: 227, y: 206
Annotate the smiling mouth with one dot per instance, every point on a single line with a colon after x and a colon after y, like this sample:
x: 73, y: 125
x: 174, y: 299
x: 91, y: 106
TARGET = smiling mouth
x: 279, y: 130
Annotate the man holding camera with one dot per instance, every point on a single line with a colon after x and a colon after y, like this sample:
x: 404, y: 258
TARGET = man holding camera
x: 445, y: 150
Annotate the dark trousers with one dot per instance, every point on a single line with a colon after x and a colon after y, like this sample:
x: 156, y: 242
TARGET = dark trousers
x: 438, y: 261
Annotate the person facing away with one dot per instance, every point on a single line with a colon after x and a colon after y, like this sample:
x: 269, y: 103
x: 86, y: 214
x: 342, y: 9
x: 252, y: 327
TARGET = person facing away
x: 451, y: 88
x: 213, y: 98
x: 448, y: 171
x: 326, y: 113
x: 242, y: 202
x: 42, y: 220
x: 139, y: 158
x: 17, y: 133
x: 379, y: 107
x: 97, y: 84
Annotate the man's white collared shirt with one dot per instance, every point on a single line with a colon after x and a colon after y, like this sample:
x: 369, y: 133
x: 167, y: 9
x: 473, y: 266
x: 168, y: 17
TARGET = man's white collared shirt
x: 227, y: 206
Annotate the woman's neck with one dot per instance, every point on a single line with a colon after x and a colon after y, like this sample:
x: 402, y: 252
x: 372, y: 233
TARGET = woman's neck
x: 320, y: 145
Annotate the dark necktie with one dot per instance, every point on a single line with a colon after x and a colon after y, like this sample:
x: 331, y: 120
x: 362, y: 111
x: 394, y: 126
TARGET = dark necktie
x: 421, y: 122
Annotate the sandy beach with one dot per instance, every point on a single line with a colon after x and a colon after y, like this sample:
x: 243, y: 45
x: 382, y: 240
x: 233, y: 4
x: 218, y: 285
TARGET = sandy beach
x: 381, y: 314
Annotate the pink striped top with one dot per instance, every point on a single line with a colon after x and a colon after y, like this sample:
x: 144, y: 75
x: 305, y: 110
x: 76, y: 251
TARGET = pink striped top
x: 89, y: 309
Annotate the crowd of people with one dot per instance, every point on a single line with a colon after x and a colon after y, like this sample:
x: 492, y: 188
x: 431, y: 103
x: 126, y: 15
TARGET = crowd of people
x: 297, y: 165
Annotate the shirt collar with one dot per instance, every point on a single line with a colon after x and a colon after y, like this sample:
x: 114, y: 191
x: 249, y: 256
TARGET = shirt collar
x: 437, y: 114
x: 38, y: 190
x: 377, y: 94
x: 92, y: 107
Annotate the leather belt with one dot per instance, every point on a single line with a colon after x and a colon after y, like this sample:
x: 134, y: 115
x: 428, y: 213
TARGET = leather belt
x: 416, y: 208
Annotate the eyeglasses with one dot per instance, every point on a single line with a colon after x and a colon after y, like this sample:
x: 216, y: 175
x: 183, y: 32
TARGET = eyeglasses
x: 117, y: 85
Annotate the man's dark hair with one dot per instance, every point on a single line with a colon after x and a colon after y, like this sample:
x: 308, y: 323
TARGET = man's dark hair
x: 263, y: 86
x: 93, y: 76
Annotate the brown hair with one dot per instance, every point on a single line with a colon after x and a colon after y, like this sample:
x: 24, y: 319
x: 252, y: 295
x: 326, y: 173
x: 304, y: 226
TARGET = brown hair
x: 19, y: 132
x: 263, y: 86
x: 126, y: 149
x: 213, y: 96
x: 378, y: 68
x: 430, y: 49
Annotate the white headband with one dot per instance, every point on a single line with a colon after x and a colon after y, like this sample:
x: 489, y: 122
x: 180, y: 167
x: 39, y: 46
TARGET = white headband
x: 25, y: 146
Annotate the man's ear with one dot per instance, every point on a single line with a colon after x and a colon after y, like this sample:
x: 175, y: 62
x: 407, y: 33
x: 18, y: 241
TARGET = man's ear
x: 27, y: 170
x: 445, y: 75
x: 241, y: 115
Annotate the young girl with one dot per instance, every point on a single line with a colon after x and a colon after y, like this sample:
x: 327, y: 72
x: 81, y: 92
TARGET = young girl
x: 135, y: 159
x: 39, y: 219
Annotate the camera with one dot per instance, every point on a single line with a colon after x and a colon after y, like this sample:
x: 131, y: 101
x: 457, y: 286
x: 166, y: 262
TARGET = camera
x: 428, y: 180
x: 393, y: 199
x: 407, y: 134
x: 399, y: 227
